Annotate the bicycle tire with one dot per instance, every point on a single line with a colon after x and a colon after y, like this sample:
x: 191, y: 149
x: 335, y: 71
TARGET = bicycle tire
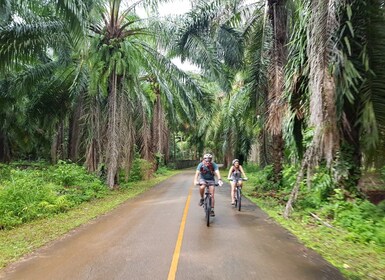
x: 208, y: 210
x: 239, y: 198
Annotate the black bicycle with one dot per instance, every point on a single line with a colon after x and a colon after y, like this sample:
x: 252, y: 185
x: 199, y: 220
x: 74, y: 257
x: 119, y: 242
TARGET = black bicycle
x: 207, y: 203
x: 238, y: 193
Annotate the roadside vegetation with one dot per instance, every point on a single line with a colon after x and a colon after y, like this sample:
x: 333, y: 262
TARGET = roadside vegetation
x: 40, y: 202
x: 349, y: 233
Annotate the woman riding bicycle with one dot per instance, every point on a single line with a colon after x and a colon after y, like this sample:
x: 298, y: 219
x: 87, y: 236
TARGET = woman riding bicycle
x: 206, y: 172
x: 235, y: 173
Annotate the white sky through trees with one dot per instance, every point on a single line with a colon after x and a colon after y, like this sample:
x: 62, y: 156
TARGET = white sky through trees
x: 176, y: 7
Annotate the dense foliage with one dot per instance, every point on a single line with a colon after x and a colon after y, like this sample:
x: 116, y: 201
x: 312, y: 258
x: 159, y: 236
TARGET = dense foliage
x: 31, y: 192
x: 361, y: 220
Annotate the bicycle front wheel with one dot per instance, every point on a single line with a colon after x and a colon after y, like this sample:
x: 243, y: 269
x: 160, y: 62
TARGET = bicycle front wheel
x: 208, y: 210
x: 239, y: 198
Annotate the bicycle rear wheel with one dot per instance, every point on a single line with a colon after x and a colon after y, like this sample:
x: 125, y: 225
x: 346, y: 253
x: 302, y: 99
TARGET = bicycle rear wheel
x: 208, y: 210
x: 239, y: 198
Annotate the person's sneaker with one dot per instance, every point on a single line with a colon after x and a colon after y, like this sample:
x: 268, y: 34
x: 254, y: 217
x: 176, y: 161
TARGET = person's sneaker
x: 201, y: 202
x: 233, y: 203
x: 212, y: 214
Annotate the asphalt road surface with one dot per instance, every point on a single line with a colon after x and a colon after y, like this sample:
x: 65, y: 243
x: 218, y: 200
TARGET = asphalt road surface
x: 162, y: 235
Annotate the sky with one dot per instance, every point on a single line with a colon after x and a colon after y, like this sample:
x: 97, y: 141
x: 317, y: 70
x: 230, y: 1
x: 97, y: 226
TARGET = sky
x: 176, y: 7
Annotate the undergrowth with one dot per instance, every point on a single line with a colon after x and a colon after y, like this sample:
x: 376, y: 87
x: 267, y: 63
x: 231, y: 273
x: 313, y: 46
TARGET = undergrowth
x: 355, y: 243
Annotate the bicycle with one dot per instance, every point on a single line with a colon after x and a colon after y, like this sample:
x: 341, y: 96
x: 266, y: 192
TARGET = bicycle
x: 238, y: 193
x: 207, y: 203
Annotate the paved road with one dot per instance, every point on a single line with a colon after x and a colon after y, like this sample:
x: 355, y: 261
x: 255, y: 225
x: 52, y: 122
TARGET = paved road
x: 140, y: 240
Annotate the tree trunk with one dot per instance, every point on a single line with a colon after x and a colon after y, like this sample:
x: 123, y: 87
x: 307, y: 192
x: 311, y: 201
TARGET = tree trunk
x: 94, y: 152
x: 276, y: 105
x: 112, y: 158
x: 321, y: 48
x: 74, y: 131
x: 5, y: 153
x: 58, y: 146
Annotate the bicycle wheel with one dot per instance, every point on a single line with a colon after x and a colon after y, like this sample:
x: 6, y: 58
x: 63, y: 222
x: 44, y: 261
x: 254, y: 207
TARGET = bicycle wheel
x: 208, y: 210
x: 239, y: 198
x: 235, y: 198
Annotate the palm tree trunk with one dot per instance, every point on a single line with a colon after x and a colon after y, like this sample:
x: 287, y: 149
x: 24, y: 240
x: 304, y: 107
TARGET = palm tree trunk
x: 321, y: 82
x: 5, y: 153
x: 276, y: 108
x: 112, y: 132
x: 58, y: 146
x: 323, y: 117
x: 94, y: 152
x: 74, y: 131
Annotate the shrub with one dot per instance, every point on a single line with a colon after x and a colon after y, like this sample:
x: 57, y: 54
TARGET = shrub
x: 23, y: 199
x: 263, y: 179
x: 162, y: 170
x: 141, y: 170
x: 364, y: 220
x: 5, y: 172
x: 33, y: 193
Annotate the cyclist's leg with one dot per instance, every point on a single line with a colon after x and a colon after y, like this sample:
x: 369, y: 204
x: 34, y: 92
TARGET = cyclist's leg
x: 212, y: 191
x: 232, y: 183
x: 202, y: 186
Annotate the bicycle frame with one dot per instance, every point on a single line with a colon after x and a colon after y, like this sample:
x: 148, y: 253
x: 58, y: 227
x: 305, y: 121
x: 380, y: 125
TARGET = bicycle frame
x: 238, y: 193
x: 207, y: 203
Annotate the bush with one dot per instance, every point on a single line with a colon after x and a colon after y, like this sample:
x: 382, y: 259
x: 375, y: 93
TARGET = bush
x: 5, y: 172
x: 322, y: 187
x: 162, y: 170
x: 24, y: 199
x: 141, y: 170
x: 364, y: 220
x: 29, y: 194
x: 264, y: 179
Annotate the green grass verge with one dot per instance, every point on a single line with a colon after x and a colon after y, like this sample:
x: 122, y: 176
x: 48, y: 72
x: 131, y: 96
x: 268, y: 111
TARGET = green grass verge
x: 354, y: 260
x: 15, y: 243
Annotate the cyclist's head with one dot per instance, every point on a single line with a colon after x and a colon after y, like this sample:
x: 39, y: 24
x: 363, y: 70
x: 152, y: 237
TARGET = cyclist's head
x: 208, y: 157
x: 235, y: 161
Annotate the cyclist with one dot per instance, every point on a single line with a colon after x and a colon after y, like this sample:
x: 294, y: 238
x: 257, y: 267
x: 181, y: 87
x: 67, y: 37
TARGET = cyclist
x: 205, y: 173
x: 235, y: 173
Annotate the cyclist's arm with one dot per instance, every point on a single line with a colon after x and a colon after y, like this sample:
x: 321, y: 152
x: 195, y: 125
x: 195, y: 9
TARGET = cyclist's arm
x: 196, y: 177
x: 218, y: 174
x: 242, y: 171
x: 197, y: 172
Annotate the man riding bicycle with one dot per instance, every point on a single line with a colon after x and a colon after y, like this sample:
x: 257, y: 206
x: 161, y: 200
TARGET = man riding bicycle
x: 235, y: 173
x: 205, y: 173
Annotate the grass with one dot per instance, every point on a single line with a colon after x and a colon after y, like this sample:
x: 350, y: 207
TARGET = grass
x: 354, y: 260
x: 17, y: 242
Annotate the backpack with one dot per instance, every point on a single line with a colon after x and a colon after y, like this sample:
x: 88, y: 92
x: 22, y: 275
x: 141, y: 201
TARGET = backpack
x: 209, y: 168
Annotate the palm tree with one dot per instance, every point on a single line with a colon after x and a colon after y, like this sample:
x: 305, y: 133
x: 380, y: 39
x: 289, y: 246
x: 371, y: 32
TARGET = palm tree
x: 276, y: 107
x: 343, y: 87
x: 31, y: 30
x: 126, y: 55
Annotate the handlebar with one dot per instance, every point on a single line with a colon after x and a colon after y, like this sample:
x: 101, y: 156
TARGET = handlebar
x: 239, y: 179
x: 216, y: 184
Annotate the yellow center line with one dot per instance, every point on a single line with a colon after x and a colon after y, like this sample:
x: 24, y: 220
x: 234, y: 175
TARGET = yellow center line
x: 175, y: 258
